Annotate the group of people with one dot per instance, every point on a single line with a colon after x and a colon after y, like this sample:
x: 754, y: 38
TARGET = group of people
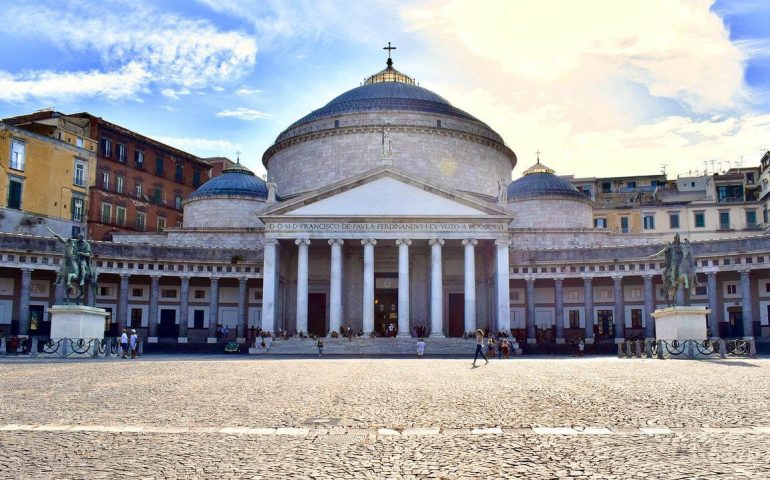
x: 418, y: 331
x: 501, y: 346
x: 129, y: 343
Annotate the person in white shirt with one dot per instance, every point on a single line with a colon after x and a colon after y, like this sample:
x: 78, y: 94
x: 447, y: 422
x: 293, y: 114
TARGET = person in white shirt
x: 133, y: 341
x: 420, y: 348
x: 124, y: 343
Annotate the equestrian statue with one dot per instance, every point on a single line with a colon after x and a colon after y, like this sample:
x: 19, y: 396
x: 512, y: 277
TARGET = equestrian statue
x: 679, y: 270
x: 76, y: 271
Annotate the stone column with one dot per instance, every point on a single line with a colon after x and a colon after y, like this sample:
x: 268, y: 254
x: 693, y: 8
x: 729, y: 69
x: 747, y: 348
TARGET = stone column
x: 213, y: 310
x: 470, y: 284
x: 335, y: 286
x: 403, y: 287
x: 620, y: 309
x: 436, y: 289
x: 503, y: 282
x: 747, y: 306
x: 269, y: 284
x: 558, y: 293
x: 184, y: 308
x: 240, y: 328
x: 368, y: 294
x: 302, y: 279
x: 588, y: 301
x: 713, y: 293
x: 122, y: 313
x: 152, y: 330
x: 649, y: 307
x: 531, y: 334
x: 26, y: 282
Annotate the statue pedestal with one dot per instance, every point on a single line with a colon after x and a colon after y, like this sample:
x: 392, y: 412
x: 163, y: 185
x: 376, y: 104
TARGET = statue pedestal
x: 77, y: 321
x: 681, y: 323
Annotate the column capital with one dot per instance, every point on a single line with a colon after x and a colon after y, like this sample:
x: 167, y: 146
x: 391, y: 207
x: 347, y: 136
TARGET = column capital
x: 436, y: 241
x: 711, y: 273
x: 125, y: 276
x: 243, y: 279
x: 155, y: 276
x: 744, y: 272
x: 648, y: 276
x: 336, y: 241
x: 302, y: 241
x: 27, y: 269
x: 270, y: 241
x: 470, y: 241
x: 403, y: 241
x: 617, y: 279
x: 503, y: 242
x: 588, y: 278
x: 368, y: 241
x: 558, y: 280
x: 214, y: 279
x: 530, y: 280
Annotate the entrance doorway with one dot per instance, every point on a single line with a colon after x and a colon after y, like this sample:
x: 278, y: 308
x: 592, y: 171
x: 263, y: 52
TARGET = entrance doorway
x: 605, y: 325
x: 456, y: 314
x: 385, y: 313
x: 316, y: 314
x: 167, y: 326
x: 38, y: 323
x: 734, y: 322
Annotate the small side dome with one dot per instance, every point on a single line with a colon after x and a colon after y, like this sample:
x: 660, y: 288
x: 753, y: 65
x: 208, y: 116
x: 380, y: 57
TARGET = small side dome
x: 539, y: 181
x: 234, y: 181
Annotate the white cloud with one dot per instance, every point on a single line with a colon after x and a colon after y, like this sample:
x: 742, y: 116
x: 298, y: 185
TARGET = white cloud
x: 204, y: 147
x: 177, y: 53
x: 126, y: 82
x: 245, y: 91
x: 244, y: 114
x: 175, y: 94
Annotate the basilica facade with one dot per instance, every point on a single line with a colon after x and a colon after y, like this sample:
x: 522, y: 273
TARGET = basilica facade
x: 390, y: 212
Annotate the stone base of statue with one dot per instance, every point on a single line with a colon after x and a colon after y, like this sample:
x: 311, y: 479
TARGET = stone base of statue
x: 77, y: 321
x: 681, y: 324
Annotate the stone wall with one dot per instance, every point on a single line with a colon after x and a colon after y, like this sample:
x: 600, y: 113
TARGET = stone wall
x: 449, y: 159
x: 16, y: 221
x: 551, y: 213
x: 227, y: 211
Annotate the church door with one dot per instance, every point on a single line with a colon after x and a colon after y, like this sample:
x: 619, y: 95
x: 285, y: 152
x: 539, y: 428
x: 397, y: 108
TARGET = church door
x: 316, y: 314
x: 735, y: 322
x: 456, y: 314
x: 167, y: 326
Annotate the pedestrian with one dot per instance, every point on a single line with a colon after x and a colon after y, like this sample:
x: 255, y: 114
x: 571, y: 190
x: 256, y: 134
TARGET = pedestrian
x: 581, y: 347
x: 420, y: 348
x: 479, y: 346
x: 506, y: 349
x: 133, y: 343
x: 499, y: 348
x: 124, y: 343
x: 491, y: 346
x: 320, y: 346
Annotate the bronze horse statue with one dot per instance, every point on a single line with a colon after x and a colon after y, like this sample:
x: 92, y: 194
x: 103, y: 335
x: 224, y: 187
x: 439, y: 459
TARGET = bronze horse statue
x: 679, y: 270
x: 76, y: 279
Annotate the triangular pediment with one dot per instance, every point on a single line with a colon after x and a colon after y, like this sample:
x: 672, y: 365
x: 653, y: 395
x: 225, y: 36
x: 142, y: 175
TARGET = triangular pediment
x: 385, y: 192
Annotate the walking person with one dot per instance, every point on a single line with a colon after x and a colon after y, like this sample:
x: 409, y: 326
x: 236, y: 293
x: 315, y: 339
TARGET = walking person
x: 479, y: 347
x: 124, y: 343
x: 491, y: 346
x: 420, y: 348
x: 133, y: 343
x: 320, y: 346
x: 581, y: 346
x: 505, y: 348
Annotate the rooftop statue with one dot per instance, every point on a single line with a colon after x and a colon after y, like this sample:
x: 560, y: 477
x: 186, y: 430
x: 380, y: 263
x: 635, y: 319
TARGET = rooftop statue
x: 76, y: 271
x: 679, y: 269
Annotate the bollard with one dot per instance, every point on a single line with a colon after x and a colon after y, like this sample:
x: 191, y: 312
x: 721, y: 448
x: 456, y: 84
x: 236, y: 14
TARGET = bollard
x: 3, y: 341
x: 752, y: 348
x: 95, y: 348
x: 722, y: 348
x: 690, y: 348
x: 33, y: 347
x: 64, y: 343
x: 620, y: 350
x: 648, y: 348
x: 660, y: 350
x: 139, y: 347
x: 638, y: 345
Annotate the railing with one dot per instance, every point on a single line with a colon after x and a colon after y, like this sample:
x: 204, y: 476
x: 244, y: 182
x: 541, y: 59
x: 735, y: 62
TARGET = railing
x: 61, y: 347
x: 661, y: 349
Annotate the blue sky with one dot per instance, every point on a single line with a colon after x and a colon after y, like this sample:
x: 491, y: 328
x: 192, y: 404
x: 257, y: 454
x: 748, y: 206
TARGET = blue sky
x: 600, y: 87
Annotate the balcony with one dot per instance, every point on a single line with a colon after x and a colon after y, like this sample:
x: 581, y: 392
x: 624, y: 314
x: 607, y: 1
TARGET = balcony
x: 737, y: 199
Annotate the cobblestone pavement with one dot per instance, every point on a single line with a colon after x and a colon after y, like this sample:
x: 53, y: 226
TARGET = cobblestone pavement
x: 191, y: 417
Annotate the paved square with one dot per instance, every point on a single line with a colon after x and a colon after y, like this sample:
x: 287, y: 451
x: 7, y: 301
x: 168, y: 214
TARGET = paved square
x: 384, y: 418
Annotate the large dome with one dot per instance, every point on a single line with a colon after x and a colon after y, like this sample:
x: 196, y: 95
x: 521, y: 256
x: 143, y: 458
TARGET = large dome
x: 539, y: 181
x: 236, y: 181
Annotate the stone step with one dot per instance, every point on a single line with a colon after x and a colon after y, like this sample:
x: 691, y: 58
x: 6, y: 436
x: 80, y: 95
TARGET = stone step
x: 370, y: 346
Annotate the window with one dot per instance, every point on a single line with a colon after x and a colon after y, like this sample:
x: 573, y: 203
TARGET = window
x: 600, y: 223
x: 178, y: 202
x: 120, y: 216
x: 729, y: 193
x: 700, y: 219
x: 624, y: 225
x: 18, y: 154
x: 196, y: 179
x: 138, y: 190
x: 75, y: 231
x: 636, y: 318
x: 168, y: 293
x: 105, y: 181
x: 120, y: 150
x: 159, y: 166
x: 77, y: 209
x: 140, y: 221
x: 649, y: 222
x: 724, y: 220
x: 161, y: 224
x: 198, y: 318
x: 702, y: 291
x: 137, y: 292
x: 179, y: 174
x: 106, y: 147
x: 200, y: 294
x: 105, y: 291
x: 139, y: 158
x: 630, y: 184
x: 79, y: 177
x: 606, y: 187
x: 136, y: 317
x: 106, y: 213
x: 732, y: 289
x: 751, y: 218
x: 574, y: 319
x: 157, y: 195
x: 79, y: 143
x: 14, y: 193
x: 673, y: 220
x: 119, y: 184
